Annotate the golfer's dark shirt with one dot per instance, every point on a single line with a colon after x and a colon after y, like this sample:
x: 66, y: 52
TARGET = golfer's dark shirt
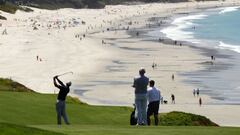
x: 140, y: 84
x: 63, y: 93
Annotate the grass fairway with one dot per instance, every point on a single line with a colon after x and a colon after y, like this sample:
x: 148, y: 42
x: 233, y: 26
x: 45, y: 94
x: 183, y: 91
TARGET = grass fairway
x: 134, y: 130
x: 27, y: 108
x: 10, y: 129
x: 31, y: 111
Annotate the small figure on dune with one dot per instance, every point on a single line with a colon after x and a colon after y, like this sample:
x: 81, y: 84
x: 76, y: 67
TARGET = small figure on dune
x: 137, y: 34
x: 160, y: 40
x: 4, y: 32
x: 198, y: 91
x: 162, y: 101
x: 154, y: 65
x: 173, y: 98
x: 194, y: 92
x: 103, y: 42
x: 200, y: 101
x: 175, y: 42
x: 173, y: 77
x: 212, y: 57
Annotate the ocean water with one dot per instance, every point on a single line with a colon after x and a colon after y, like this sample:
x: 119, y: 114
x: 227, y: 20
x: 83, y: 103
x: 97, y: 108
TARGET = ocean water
x: 216, y: 29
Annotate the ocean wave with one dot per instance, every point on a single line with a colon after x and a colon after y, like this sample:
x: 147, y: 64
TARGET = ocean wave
x: 184, y: 19
x: 228, y: 9
x: 176, y: 30
x: 223, y: 45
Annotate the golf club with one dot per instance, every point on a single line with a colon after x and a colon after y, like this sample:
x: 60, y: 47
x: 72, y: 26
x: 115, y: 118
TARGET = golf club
x: 65, y: 73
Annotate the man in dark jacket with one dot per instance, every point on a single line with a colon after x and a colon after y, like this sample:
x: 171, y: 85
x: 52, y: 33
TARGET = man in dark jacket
x: 140, y: 85
x: 60, y: 105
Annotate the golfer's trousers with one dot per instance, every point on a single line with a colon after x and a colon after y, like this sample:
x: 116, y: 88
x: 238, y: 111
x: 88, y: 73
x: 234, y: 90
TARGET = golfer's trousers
x: 60, y: 108
x: 141, y: 108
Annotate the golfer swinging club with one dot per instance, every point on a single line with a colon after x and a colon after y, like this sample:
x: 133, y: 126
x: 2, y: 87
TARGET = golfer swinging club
x: 60, y: 105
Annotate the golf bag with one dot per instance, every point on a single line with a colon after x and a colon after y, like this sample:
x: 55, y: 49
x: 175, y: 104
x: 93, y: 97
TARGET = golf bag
x: 133, y: 118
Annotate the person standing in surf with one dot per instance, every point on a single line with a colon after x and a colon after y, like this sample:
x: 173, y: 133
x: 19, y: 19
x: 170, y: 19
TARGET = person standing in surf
x: 60, y: 105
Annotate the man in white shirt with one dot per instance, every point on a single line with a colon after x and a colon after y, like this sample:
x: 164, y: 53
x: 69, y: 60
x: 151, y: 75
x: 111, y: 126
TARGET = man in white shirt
x: 154, y: 97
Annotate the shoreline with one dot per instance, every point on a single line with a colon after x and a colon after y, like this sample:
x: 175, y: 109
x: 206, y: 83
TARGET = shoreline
x: 109, y: 66
x: 224, y: 63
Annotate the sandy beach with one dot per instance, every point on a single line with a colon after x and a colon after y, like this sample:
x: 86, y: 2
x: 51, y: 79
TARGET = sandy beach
x: 103, y: 50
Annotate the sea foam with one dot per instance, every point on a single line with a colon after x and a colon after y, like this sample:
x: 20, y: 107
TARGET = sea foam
x: 223, y: 45
x: 228, y: 9
x: 176, y: 30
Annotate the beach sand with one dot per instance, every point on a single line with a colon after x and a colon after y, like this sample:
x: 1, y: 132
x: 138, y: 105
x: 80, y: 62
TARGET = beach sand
x: 45, y: 43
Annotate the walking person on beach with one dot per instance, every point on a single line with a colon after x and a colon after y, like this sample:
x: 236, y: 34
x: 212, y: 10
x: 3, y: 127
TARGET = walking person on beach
x: 194, y: 92
x: 198, y: 92
x: 173, y: 98
x: 60, y: 105
x: 200, y: 101
x: 4, y: 32
x: 154, y: 96
x: 173, y: 77
x: 140, y: 84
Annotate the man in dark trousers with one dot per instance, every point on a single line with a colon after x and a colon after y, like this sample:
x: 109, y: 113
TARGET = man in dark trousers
x: 154, y: 97
x: 60, y: 105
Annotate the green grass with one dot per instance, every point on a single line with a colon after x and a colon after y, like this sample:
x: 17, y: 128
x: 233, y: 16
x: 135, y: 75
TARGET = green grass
x: 8, y: 7
x: 184, y: 119
x: 32, y: 110
x: 134, y: 130
x: 10, y: 85
x: 10, y: 129
x: 12, y: 8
